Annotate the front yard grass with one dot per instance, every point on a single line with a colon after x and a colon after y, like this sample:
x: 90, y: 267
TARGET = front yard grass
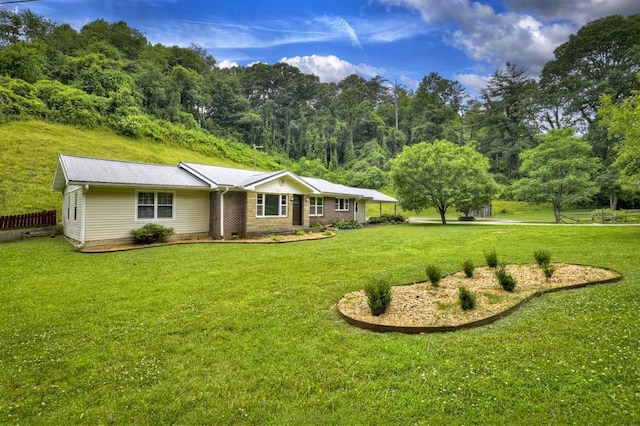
x: 228, y: 334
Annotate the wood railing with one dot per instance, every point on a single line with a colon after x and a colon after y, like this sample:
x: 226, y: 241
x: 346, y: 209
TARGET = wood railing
x: 28, y: 220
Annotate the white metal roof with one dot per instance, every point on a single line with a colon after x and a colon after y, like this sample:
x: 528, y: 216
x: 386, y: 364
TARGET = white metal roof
x: 226, y: 176
x: 330, y: 188
x: 95, y: 171
x: 237, y: 178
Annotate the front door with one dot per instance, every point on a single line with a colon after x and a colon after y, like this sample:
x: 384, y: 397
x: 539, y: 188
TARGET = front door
x: 297, y: 210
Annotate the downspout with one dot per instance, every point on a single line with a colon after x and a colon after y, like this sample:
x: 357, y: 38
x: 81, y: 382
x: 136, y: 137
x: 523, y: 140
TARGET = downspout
x: 85, y: 189
x: 222, y: 212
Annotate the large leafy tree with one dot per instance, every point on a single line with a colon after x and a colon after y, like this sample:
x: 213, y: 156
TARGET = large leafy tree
x: 601, y: 58
x: 560, y: 170
x: 23, y: 26
x: 623, y: 121
x: 437, y: 104
x: 441, y: 175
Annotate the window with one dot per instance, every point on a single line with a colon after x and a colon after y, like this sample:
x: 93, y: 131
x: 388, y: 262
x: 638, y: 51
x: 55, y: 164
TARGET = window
x: 316, y: 207
x: 271, y: 205
x: 342, y: 204
x: 155, y: 205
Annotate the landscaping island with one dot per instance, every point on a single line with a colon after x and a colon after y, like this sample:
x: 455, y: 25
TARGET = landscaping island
x: 424, y: 308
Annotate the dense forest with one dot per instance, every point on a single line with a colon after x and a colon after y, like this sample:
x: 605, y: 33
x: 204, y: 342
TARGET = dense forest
x: 110, y: 75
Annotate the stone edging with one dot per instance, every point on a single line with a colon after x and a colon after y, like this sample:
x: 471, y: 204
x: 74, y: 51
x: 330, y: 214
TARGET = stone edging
x: 382, y: 328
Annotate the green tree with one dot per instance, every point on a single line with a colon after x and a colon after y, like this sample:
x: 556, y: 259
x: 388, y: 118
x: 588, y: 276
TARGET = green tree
x: 561, y: 170
x: 437, y: 105
x: 26, y: 61
x: 441, y: 175
x: 601, y: 58
x: 622, y: 121
x: 22, y: 26
x: 508, y: 118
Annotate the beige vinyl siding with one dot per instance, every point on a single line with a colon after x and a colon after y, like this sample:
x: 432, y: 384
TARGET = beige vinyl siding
x: 72, y: 206
x: 111, y: 212
x: 290, y: 186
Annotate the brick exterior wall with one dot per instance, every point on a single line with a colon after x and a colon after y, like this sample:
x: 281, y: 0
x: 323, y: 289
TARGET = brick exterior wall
x: 234, y: 214
x: 330, y: 213
x: 267, y: 225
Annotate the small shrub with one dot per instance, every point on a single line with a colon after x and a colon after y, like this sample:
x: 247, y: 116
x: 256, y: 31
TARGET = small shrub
x: 317, y: 226
x: 328, y: 233
x: 378, y: 293
x: 467, y: 267
x: 548, y: 270
x: 491, y: 258
x: 277, y: 238
x: 505, y: 279
x: 300, y: 232
x: 543, y: 257
x: 392, y: 218
x: 346, y: 224
x: 386, y: 218
x: 434, y: 274
x: 151, y: 233
x: 467, y: 299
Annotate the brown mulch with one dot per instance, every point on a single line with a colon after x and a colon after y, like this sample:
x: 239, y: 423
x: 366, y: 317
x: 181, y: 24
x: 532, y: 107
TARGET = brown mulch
x: 423, y: 305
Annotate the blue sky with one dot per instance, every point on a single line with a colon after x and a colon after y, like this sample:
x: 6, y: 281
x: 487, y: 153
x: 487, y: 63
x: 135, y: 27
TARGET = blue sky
x: 400, y: 40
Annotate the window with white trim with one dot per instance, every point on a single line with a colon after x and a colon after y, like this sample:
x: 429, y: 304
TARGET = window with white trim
x: 316, y: 206
x: 271, y: 205
x: 154, y: 205
x: 342, y: 204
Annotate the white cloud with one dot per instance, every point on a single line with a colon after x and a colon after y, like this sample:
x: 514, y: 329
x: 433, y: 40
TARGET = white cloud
x: 474, y: 83
x: 331, y: 68
x: 226, y: 63
x: 340, y: 26
x: 495, y: 38
x: 579, y: 12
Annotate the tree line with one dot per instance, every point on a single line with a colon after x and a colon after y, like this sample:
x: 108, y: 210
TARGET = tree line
x: 110, y: 74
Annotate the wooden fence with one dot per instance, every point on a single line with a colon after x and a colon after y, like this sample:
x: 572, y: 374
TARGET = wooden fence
x: 29, y: 220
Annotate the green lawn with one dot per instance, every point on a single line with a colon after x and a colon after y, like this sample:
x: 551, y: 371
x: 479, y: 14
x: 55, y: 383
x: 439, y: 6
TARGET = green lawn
x: 237, y: 333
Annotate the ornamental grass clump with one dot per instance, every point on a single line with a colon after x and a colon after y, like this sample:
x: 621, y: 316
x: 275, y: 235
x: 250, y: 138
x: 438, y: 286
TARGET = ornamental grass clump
x: 505, y: 279
x: 468, y: 267
x: 491, y: 258
x: 467, y: 298
x: 548, y: 271
x: 434, y: 274
x: 378, y: 293
x: 543, y: 257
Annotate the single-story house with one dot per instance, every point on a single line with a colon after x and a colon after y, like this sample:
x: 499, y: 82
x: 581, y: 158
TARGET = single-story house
x: 103, y: 200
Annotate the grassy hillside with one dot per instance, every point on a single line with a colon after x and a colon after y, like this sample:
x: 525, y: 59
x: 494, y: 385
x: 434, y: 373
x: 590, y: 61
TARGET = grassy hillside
x: 29, y: 153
